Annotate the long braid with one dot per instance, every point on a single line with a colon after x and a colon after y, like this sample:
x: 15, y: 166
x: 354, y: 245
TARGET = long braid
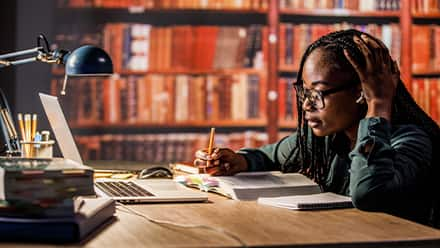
x: 315, y: 160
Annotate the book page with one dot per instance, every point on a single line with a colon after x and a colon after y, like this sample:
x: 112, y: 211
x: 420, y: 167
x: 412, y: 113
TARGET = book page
x: 265, y: 179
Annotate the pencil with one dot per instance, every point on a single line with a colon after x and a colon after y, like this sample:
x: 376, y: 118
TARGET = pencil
x: 21, y: 125
x: 27, y: 127
x: 211, y: 140
x: 210, y: 144
x: 34, y: 126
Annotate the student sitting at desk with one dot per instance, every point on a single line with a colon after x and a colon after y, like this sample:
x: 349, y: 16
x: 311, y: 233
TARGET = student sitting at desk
x: 360, y: 133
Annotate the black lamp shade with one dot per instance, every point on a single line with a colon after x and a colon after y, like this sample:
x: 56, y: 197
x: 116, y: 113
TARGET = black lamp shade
x: 89, y: 61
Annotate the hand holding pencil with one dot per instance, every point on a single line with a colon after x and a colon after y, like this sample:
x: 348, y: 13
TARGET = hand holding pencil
x: 219, y: 161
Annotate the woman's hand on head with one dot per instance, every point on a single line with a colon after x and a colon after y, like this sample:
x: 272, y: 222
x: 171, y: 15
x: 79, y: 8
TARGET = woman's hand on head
x: 222, y: 161
x: 379, y: 76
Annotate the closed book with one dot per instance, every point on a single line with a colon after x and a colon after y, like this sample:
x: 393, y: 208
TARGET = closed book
x: 31, y: 180
x: 327, y: 200
x: 252, y: 185
x: 89, y: 215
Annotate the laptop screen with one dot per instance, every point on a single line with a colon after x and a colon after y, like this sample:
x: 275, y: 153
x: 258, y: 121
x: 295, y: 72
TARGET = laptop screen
x: 60, y: 127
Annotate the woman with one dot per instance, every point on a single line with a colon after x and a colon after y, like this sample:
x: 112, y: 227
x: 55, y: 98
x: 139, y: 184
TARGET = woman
x: 359, y: 132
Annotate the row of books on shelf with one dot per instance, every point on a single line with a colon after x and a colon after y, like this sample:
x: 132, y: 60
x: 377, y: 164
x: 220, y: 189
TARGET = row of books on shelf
x: 294, y: 39
x: 173, y: 4
x: 361, y: 5
x: 425, y: 6
x: 425, y: 48
x: 142, y: 47
x: 173, y: 99
x: 156, y: 98
x: 426, y: 92
x: 160, y: 148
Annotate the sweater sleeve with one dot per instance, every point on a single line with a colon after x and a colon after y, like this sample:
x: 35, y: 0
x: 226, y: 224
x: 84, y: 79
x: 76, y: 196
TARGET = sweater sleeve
x: 271, y: 157
x: 388, y: 169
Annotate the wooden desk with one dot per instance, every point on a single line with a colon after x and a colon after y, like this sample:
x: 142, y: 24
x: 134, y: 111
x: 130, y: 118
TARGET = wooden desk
x: 257, y: 225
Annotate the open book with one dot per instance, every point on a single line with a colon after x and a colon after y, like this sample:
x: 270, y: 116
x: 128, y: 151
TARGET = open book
x: 307, y: 202
x: 251, y: 185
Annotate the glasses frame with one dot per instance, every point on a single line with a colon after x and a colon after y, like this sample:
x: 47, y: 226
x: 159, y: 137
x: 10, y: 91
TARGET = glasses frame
x: 301, y: 92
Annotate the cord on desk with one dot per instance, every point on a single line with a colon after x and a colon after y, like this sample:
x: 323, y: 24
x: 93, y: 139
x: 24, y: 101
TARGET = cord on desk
x: 164, y: 222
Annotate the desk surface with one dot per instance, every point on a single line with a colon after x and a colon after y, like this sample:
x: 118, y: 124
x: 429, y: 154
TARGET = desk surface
x: 257, y: 225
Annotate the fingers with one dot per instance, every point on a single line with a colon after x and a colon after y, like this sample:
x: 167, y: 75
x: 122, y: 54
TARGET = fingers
x: 369, y: 58
x: 206, y: 163
x: 378, y: 52
x: 203, y: 154
x: 223, y: 170
x: 352, y: 61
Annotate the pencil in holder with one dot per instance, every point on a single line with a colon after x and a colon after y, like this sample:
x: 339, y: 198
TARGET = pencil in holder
x: 37, y: 149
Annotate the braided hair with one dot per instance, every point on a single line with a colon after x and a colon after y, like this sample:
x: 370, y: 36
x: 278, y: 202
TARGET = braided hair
x: 315, y: 158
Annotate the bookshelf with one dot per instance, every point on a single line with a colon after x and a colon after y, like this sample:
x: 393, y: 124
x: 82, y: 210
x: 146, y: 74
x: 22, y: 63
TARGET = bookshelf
x: 275, y: 22
x: 423, y: 31
x: 174, y: 82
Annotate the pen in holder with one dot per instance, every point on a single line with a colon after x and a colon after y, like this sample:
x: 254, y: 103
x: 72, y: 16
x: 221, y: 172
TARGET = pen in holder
x: 37, y: 149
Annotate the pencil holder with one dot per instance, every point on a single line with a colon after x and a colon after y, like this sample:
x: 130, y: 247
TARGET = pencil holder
x: 37, y: 149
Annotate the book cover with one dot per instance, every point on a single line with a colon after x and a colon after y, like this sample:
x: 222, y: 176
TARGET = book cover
x: 89, y: 215
x: 327, y: 200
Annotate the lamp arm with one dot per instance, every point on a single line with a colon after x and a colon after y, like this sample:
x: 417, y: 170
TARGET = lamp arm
x: 7, y: 125
x: 39, y: 54
x: 21, y: 53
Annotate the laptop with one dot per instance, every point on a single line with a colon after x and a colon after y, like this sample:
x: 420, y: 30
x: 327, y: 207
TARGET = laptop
x: 128, y: 191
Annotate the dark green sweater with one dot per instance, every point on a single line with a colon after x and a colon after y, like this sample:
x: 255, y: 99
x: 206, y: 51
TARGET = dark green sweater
x: 387, y: 171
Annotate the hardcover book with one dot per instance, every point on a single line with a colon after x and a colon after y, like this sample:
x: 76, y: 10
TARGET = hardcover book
x: 89, y: 214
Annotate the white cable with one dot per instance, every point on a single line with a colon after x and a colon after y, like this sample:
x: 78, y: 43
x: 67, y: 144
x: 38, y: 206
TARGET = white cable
x: 164, y: 222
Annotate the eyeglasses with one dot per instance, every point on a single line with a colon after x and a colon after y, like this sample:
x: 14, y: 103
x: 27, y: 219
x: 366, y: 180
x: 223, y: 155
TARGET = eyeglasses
x: 316, y: 97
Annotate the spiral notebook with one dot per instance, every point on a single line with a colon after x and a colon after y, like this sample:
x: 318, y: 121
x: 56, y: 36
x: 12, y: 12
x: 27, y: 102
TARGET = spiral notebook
x: 327, y: 200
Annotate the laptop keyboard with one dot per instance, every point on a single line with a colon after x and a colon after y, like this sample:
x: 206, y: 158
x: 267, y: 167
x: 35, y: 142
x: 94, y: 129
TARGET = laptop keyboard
x: 121, y: 188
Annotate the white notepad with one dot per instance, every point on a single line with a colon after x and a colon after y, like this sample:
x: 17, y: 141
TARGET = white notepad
x: 327, y: 200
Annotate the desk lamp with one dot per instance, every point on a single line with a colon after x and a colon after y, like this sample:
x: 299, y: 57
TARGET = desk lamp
x: 84, y: 61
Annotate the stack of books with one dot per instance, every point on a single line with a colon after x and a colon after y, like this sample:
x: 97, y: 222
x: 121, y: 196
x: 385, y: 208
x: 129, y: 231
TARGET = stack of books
x: 42, y: 187
x: 42, y: 200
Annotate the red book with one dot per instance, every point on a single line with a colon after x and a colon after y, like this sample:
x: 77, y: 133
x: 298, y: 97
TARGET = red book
x: 421, y: 47
x: 282, y: 46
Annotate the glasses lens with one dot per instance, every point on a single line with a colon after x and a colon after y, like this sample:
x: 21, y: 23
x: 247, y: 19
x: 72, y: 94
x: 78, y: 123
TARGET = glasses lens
x: 314, y: 98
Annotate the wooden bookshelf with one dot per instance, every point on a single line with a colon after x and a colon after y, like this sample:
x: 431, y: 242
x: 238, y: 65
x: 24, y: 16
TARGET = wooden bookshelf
x: 274, y: 117
x: 429, y: 15
x: 340, y: 13
x: 58, y: 72
x: 143, y: 10
x: 426, y: 73
x: 186, y: 124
